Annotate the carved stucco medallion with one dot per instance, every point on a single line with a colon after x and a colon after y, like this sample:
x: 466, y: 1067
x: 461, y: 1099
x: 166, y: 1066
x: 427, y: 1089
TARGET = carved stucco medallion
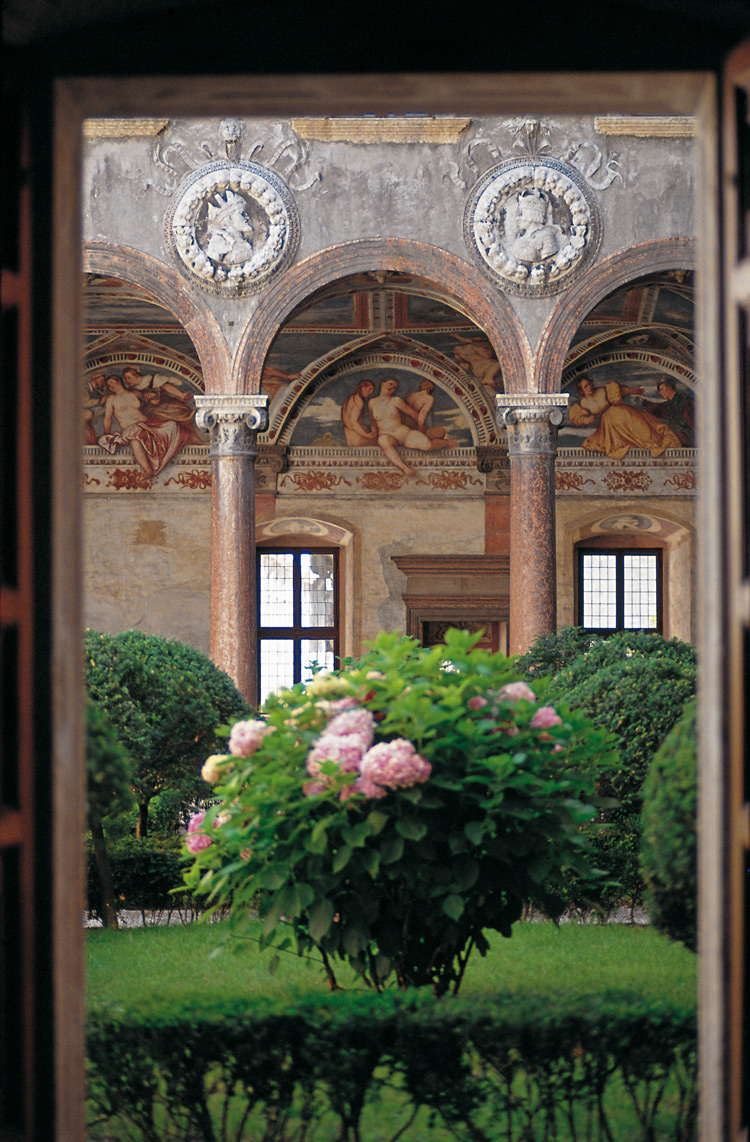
x: 232, y: 227
x: 533, y: 225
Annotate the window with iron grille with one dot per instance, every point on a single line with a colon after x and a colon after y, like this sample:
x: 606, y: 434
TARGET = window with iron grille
x: 619, y: 589
x: 298, y: 611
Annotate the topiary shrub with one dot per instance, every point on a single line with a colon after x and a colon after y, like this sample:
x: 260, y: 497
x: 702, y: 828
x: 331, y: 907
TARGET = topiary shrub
x: 634, y: 684
x: 165, y: 701
x: 668, y: 857
x: 109, y: 770
x: 551, y: 652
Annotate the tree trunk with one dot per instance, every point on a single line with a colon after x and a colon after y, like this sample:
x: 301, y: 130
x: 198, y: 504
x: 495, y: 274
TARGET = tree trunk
x: 141, y: 829
x: 101, y: 856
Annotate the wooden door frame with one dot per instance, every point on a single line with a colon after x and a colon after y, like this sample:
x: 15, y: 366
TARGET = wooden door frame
x: 671, y: 93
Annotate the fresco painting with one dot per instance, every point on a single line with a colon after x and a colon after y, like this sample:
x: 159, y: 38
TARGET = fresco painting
x: 623, y: 405
x: 388, y: 408
x: 151, y: 414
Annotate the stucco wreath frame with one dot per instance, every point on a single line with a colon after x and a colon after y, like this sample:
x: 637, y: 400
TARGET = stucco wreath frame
x: 455, y: 277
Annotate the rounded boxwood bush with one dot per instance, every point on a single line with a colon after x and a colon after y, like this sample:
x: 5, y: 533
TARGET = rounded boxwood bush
x: 167, y: 703
x: 634, y: 684
x: 668, y: 858
x: 552, y: 652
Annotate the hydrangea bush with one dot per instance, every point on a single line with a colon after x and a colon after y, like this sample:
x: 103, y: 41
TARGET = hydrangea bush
x: 392, y: 813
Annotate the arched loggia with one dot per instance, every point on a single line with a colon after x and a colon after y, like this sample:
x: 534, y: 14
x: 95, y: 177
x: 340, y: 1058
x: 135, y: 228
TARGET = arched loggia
x: 169, y: 289
x: 463, y: 285
x: 603, y: 279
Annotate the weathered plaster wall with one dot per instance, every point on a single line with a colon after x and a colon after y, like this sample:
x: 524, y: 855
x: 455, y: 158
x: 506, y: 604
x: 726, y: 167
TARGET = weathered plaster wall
x: 146, y: 557
x: 147, y: 564
x: 351, y: 190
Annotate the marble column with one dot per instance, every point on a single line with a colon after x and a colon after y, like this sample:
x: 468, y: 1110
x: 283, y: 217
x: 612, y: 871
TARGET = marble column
x: 233, y: 422
x: 531, y: 421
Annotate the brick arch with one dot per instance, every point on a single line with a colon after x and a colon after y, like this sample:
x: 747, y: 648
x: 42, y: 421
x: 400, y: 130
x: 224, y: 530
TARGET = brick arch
x: 460, y: 282
x: 168, y: 288
x: 602, y: 280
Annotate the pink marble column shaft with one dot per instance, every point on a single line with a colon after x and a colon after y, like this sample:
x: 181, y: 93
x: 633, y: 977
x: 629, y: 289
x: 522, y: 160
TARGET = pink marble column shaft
x: 532, y: 446
x: 233, y: 423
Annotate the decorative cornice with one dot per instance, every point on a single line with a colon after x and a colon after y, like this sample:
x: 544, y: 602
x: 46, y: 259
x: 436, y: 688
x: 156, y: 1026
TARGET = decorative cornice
x: 392, y: 129
x: 479, y: 564
x: 123, y: 128
x: 647, y: 126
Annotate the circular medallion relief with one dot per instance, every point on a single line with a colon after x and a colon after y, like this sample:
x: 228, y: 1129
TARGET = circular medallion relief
x: 232, y: 226
x: 533, y: 224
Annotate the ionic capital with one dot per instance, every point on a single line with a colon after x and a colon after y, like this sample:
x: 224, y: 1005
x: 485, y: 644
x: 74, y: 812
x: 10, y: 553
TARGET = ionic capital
x: 232, y: 421
x: 531, y: 421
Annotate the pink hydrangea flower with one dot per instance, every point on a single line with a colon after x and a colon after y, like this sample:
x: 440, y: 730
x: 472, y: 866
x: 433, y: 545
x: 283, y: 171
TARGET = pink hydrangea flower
x: 366, y: 787
x: 394, y: 765
x: 312, y: 788
x: 353, y: 721
x: 336, y: 706
x: 545, y: 717
x: 515, y: 691
x: 346, y: 750
x: 246, y: 737
x: 195, y: 839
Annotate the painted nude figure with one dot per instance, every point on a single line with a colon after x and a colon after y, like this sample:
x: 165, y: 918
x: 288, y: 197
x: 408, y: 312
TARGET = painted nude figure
x: 153, y: 443
x: 476, y: 356
x: 387, y: 411
x: 357, y: 434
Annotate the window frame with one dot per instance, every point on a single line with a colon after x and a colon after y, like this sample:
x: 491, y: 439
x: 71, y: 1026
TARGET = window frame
x: 296, y: 633
x: 620, y: 552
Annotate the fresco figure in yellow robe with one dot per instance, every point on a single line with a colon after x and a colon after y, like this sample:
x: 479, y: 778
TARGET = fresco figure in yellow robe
x: 621, y: 427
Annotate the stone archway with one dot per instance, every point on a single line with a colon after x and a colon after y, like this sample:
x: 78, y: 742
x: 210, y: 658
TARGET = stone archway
x: 168, y: 288
x: 605, y: 277
x: 461, y: 283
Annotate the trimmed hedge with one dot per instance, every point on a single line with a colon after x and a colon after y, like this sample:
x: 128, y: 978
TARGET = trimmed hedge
x: 669, y: 857
x: 144, y: 873
x: 515, y: 1069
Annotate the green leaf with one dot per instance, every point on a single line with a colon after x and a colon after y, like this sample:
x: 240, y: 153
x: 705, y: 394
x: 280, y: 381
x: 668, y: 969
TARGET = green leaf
x: 453, y: 906
x: 273, y: 965
x: 411, y: 828
x: 341, y: 858
x: 370, y: 861
x: 475, y: 831
x: 391, y: 850
x: 377, y: 820
x: 354, y: 939
x: 273, y: 877
x: 318, y: 841
x: 320, y: 919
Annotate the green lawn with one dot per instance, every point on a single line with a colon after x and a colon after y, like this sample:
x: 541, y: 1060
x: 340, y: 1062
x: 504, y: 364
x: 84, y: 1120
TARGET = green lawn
x: 163, y: 966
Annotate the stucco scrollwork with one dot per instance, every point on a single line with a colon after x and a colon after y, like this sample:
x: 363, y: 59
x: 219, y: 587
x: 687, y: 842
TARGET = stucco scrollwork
x: 533, y: 224
x: 232, y: 227
x: 232, y: 422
